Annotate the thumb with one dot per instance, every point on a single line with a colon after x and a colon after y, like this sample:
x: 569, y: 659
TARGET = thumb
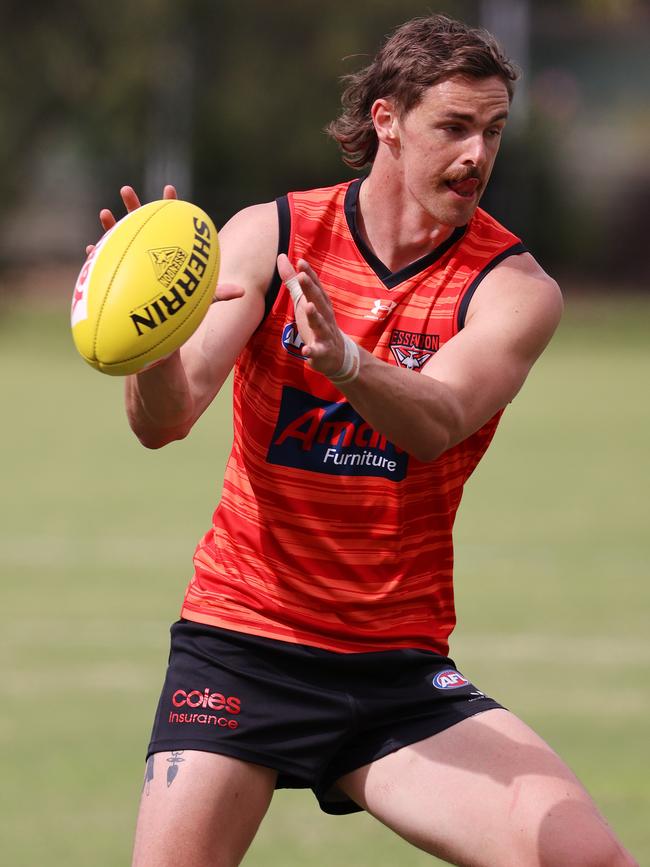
x: 227, y: 292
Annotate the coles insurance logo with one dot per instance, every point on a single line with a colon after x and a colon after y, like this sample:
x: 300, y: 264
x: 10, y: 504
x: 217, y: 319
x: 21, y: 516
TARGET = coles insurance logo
x: 196, y: 706
x: 314, y: 434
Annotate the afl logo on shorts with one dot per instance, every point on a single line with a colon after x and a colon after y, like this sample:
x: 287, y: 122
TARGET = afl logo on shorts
x: 449, y: 679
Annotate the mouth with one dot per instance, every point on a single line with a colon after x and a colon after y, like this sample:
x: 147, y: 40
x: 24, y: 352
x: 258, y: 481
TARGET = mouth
x: 464, y: 189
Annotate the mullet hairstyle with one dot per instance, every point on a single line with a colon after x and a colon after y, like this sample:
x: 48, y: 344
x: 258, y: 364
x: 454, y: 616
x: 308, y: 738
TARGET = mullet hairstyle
x: 420, y: 53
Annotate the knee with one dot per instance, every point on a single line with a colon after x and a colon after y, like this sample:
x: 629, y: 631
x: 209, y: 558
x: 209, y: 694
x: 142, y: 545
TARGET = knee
x: 599, y: 854
x: 616, y: 857
x: 575, y: 835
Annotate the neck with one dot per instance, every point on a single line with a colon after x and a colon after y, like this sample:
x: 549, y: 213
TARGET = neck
x: 393, y: 225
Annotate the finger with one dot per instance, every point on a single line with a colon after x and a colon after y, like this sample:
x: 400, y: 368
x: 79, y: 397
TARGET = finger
x: 306, y: 268
x: 313, y: 285
x: 317, y: 322
x: 285, y: 268
x: 169, y: 192
x: 176, y: 354
x: 130, y: 198
x: 107, y: 219
x: 318, y: 332
x: 318, y: 355
x: 312, y: 288
x: 305, y: 276
x: 228, y: 292
x: 311, y: 311
x: 290, y: 278
x: 89, y: 249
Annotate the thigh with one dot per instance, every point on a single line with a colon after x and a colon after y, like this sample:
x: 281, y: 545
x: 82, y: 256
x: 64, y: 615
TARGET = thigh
x: 487, y: 792
x: 199, y: 809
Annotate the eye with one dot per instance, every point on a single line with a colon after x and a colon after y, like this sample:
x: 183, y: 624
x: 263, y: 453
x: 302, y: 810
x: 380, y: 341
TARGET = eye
x: 494, y: 133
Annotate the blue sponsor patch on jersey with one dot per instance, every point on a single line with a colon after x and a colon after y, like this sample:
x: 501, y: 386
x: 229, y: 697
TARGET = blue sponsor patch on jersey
x: 325, y: 437
x: 292, y: 341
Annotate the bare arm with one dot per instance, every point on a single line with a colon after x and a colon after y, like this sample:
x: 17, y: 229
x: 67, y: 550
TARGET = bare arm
x: 510, y: 320
x: 164, y: 402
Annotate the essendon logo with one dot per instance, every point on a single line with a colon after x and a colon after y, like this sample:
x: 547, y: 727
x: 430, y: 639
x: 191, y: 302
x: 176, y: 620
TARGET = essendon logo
x: 314, y: 434
x: 167, y: 262
x: 413, y: 350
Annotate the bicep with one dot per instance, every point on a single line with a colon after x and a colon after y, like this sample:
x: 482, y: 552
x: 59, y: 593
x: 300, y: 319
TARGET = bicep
x: 248, y: 244
x: 511, y: 320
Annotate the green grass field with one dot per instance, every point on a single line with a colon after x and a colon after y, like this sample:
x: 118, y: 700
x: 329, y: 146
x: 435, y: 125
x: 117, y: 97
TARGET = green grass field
x: 96, y: 537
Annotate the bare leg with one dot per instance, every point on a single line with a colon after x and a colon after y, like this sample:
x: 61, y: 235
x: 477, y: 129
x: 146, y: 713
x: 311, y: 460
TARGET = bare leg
x: 487, y: 792
x: 199, y: 809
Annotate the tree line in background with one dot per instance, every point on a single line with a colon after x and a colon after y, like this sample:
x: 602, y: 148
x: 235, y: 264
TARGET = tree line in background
x: 229, y: 100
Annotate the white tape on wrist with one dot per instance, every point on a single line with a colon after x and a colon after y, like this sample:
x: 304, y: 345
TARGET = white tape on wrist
x: 295, y: 291
x: 349, y: 370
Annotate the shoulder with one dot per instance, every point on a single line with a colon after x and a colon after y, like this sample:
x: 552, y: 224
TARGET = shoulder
x: 521, y: 298
x: 251, y: 220
x: 521, y: 280
x: 249, y: 246
x: 513, y: 270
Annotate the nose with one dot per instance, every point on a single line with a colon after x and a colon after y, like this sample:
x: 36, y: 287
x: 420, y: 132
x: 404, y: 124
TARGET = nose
x: 475, y: 151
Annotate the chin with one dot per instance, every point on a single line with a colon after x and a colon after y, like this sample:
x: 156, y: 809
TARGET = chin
x: 461, y: 215
x: 455, y: 219
x: 454, y: 212
x: 453, y: 215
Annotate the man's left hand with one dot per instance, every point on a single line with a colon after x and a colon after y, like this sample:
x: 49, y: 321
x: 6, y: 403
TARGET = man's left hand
x: 323, y: 339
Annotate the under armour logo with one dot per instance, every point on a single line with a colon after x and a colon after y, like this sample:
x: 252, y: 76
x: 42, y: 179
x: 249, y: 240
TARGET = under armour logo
x: 380, y: 309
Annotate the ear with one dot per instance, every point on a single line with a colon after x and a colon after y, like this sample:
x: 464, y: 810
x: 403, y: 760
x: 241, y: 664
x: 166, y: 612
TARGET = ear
x: 385, y: 119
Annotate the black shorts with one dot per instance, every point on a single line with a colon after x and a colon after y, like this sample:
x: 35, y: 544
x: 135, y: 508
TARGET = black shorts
x: 311, y: 714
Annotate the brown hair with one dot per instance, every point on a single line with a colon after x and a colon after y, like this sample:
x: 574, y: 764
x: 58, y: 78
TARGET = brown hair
x: 420, y: 53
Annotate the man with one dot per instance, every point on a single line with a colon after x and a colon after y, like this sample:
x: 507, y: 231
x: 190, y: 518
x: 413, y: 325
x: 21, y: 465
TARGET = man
x: 378, y: 329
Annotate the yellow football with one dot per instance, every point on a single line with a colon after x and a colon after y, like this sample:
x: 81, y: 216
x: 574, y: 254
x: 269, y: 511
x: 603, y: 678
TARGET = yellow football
x: 145, y: 287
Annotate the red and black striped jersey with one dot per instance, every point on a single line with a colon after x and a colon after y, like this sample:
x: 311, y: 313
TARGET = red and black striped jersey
x: 327, y: 534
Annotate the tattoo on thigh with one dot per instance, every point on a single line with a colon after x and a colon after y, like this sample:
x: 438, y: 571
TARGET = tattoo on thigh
x: 174, y: 761
x: 148, y: 776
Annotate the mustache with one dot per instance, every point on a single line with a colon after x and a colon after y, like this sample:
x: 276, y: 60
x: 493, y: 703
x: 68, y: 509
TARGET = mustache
x: 464, y: 175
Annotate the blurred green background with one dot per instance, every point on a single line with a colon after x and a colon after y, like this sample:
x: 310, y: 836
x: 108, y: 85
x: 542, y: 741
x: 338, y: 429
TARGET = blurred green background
x: 228, y: 100
x: 96, y: 538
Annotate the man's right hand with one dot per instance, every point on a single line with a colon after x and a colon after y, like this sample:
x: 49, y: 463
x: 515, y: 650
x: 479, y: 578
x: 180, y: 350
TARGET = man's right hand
x: 163, y: 403
x: 223, y: 292
x: 131, y: 203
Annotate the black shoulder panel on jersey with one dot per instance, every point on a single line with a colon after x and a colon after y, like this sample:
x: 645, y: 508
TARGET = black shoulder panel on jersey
x: 284, y: 225
x: 476, y: 282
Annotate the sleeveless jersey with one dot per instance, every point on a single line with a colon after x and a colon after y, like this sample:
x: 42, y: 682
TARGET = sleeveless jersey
x: 327, y: 534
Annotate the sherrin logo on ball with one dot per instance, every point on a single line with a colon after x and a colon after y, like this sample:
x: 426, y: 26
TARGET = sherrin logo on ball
x: 145, y: 287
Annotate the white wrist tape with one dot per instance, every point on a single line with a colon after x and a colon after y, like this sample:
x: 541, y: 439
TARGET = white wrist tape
x: 349, y: 370
x: 295, y: 291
